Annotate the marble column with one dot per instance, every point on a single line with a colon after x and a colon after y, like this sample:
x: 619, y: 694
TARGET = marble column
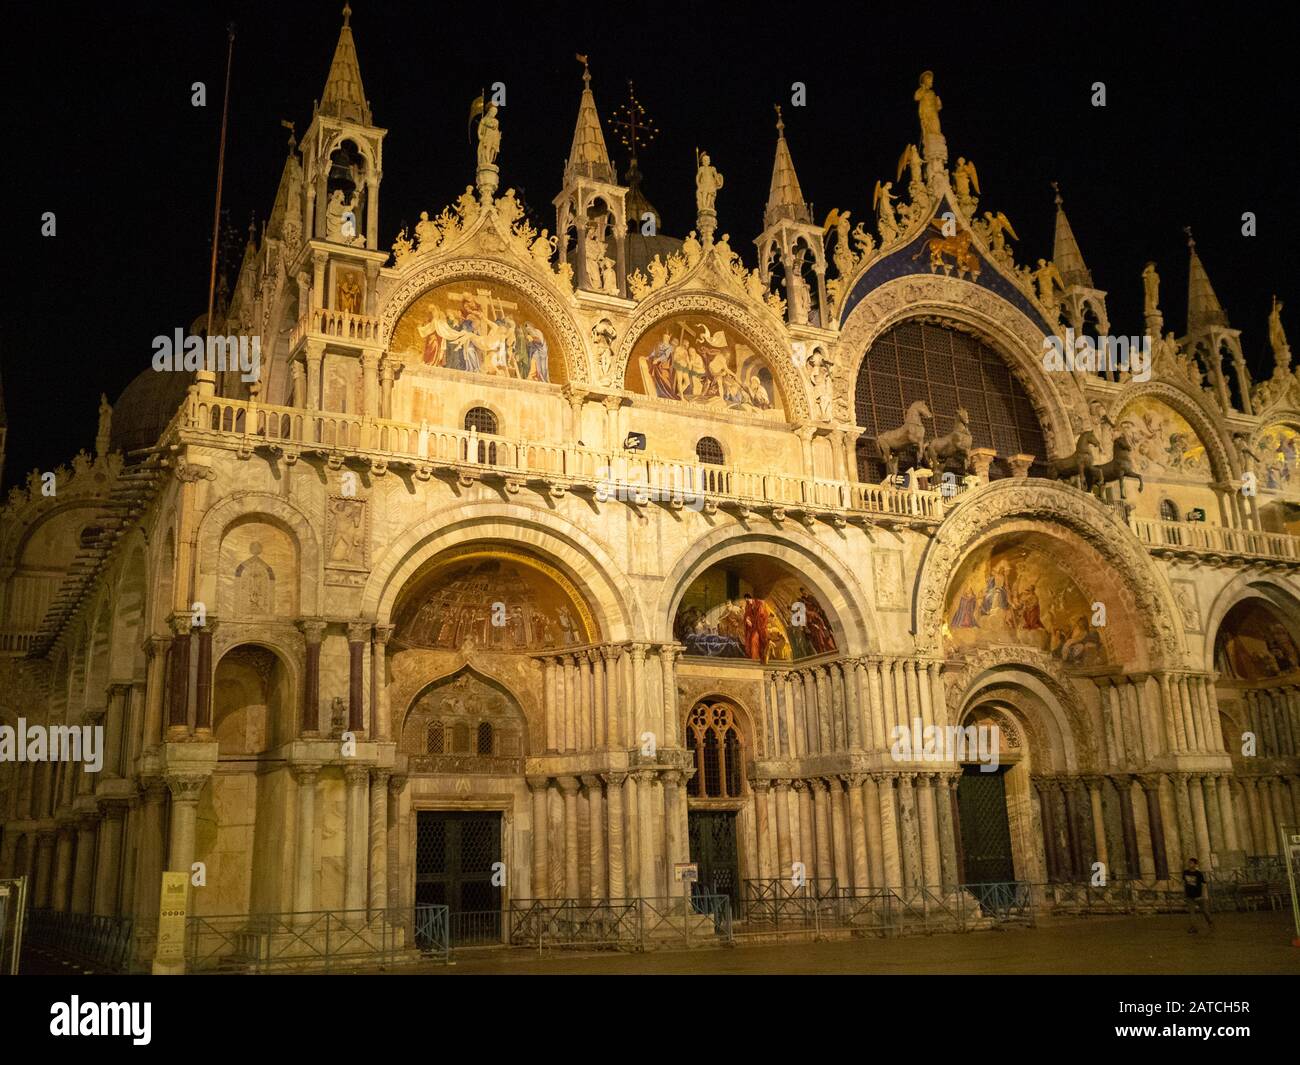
x: 617, y: 873
x: 592, y: 785
x: 784, y: 843
x: 945, y: 801
x: 380, y: 710
x: 63, y: 865
x: 313, y: 632
x: 109, y: 865
x: 569, y: 791
x: 203, y: 681
x: 358, y: 638
x: 44, y: 886
x: 155, y: 689
x: 304, y: 884
x: 356, y: 846
x: 379, y: 835
x: 400, y: 885
x: 822, y: 825
x: 178, y: 684
x: 840, y: 835
x: 807, y: 852
x: 1218, y: 843
x: 83, y: 874
x: 671, y: 736
x: 1100, y: 850
x: 539, y: 886
x: 1046, y: 790
x: 150, y: 847
x: 858, y: 830
x: 913, y: 873
x: 889, y: 831
x: 550, y: 709
x: 929, y: 825
x: 1159, y: 815
x: 1228, y: 815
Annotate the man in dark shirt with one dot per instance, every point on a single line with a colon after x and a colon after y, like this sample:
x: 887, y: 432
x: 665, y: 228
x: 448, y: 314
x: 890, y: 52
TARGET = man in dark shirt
x: 1194, y: 893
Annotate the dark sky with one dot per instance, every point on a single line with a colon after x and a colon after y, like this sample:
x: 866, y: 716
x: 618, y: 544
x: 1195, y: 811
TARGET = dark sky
x: 1200, y: 126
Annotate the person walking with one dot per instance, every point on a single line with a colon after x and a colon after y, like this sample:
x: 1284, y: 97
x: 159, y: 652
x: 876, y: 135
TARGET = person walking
x: 1194, y: 893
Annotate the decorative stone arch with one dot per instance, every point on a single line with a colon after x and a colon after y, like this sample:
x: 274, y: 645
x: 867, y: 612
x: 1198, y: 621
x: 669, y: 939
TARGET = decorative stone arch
x: 1204, y: 419
x: 274, y: 510
x: 771, y: 345
x: 1284, y: 597
x: 283, y: 642
x: 745, y: 723
x: 132, y: 580
x: 1057, y: 398
x: 544, y: 295
x: 1063, y: 740
x: 586, y: 561
x: 839, y: 591
x: 1000, y: 502
x: 25, y: 528
x: 531, y: 710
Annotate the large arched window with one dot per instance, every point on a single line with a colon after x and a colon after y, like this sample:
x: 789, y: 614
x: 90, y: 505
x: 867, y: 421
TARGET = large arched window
x: 714, y: 741
x: 946, y: 369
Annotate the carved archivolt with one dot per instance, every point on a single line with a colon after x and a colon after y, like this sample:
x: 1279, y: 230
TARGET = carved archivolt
x: 1199, y: 412
x: 774, y: 348
x: 1058, y: 398
x: 1047, y: 671
x: 543, y: 296
x: 1046, y: 501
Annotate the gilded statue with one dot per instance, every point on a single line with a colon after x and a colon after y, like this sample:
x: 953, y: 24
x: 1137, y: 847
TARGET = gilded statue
x: 707, y: 183
x: 426, y: 232
x: 489, y: 136
x: 928, y: 105
x: 1277, y: 335
x: 964, y: 178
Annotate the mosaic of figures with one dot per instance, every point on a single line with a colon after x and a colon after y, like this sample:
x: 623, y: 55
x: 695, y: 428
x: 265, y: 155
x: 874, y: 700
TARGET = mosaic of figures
x: 1164, y: 444
x: 479, y: 327
x: 493, y: 599
x: 1279, y: 446
x: 450, y: 717
x: 1253, y: 643
x: 1013, y: 593
x: 699, y: 360
x: 760, y: 613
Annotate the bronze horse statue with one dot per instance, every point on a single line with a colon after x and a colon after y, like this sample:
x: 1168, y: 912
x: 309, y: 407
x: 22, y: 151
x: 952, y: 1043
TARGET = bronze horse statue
x: 956, y: 445
x: 1121, y: 465
x: 911, y: 434
x: 1078, y: 464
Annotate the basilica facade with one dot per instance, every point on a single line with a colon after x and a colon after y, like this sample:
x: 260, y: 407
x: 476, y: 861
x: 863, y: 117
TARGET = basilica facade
x: 533, y: 566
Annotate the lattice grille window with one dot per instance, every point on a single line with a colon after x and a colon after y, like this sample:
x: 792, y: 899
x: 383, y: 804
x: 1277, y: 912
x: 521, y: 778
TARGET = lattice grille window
x: 709, y: 451
x: 714, y: 743
x: 434, y: 739
x: 484, y: 738
x: 946, y: 369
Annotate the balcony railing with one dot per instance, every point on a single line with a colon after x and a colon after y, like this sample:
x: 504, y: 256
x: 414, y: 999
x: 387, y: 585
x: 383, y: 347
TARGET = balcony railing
x: 335, y: 325
x: 635, y: 476
x: 1201, y: 538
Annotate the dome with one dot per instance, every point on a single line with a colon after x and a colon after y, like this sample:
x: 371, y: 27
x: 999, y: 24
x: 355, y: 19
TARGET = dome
x: 145, y: 407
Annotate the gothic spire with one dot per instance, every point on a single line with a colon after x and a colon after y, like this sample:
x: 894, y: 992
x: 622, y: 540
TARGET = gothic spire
x: 1065, y: 249
x: 343, y: 96
x: 588, y: 157
x: 785, y: 199
x: 1203, y: 306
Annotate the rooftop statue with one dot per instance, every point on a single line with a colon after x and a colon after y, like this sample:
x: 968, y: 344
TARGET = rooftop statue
x: 489, y: 136
x: 1277, y: 335
x: 928, y: 106
x: 707, y: 183
x: 1150, y: 289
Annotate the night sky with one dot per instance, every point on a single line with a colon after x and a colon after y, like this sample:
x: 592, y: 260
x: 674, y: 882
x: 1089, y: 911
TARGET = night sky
x: 1200, y: 126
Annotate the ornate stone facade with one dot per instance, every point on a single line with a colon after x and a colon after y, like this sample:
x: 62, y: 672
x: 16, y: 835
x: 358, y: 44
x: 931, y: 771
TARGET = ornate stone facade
x: 458, y: 558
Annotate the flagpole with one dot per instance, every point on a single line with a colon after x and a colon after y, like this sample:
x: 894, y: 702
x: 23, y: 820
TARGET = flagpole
x: 206, y: 378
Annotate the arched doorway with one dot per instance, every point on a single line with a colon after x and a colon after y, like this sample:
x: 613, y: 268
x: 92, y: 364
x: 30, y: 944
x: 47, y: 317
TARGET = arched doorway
x: 715, y: 795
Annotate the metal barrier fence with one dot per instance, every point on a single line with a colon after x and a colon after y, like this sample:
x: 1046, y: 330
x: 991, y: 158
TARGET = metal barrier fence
x: 13, y: 919
x: 630, y: 924
x: 104, y: 942
x: 321, y: 940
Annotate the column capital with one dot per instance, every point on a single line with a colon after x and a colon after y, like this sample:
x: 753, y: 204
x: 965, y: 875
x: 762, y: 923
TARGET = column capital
x: 304, y: 773
x: 156, y: 646
x: 186, y: 787
x: 380, y: 777
x: 181, y: 624
x: 614, y: 778
x: 760, y: 786
x: 567, y: 785
x: 313, y: 629
x: 799, y: 784
x: 396, y: 783
x: 384, y: 633
x: 359, y: 631
x: 356, y: 775
x: 536, y: 784
x: 590, y: 781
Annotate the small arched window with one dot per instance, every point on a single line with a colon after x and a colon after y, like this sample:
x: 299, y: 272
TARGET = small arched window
x: 714, y: 743
x: 485, y: 738
x: 709, y: 451
x: 1168, y: 510
x: 434, y: 742
x: 483, y: 421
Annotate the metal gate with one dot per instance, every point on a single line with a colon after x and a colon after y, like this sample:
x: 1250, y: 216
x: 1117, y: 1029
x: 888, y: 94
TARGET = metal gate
x: 713, y: 848
x: 985, y: 831
x: 455, y: 855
